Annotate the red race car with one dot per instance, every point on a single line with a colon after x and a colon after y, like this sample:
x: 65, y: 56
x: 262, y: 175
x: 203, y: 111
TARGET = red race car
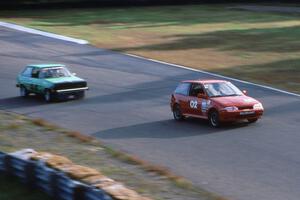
x: 216, y: 100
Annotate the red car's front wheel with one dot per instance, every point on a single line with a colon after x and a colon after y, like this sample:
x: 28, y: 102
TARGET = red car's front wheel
x: 214, y: 119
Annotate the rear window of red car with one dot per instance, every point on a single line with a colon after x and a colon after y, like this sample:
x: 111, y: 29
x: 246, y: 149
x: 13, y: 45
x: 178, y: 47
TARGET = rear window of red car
x: 183, y: 89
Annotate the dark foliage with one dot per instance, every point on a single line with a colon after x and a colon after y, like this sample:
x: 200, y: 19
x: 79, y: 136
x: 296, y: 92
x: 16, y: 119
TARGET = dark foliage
x: 20, y: 4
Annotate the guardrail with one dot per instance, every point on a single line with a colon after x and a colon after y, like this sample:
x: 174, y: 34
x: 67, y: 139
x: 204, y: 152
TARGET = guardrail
x: 55, y: 183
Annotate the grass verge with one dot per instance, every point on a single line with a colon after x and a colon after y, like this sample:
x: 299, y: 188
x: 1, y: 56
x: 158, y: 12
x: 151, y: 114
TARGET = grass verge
x: 262, y: 47
x: 17, y: 132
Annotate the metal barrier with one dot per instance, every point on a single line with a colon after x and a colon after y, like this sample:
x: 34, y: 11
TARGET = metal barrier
x: 56, y: 184
x: 44, y: 178
x: 66, y: 188
x: 94, y: 194
x: 2, y: 162
x: 20, y: 168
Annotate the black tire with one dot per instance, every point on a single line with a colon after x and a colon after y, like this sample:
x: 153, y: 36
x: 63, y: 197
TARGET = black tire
x: 177, y: 114
x: 23, y: 91
x: 48, y: 96
x: 252, y: 120
x: 213, y: 118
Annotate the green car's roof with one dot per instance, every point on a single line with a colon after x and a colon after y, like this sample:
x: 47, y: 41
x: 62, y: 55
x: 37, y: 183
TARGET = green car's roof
x: 46, y: 65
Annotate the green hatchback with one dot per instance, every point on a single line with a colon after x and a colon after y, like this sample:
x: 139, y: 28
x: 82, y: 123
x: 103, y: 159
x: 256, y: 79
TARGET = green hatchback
x: 53, y: 81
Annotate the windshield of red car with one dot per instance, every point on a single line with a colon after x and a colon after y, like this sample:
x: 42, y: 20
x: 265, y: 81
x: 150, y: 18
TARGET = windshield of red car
x: 54, y: 72
x: 221, y: 89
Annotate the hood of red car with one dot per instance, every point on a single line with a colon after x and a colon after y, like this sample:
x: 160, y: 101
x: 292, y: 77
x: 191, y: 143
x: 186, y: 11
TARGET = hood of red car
x: 235, y: 101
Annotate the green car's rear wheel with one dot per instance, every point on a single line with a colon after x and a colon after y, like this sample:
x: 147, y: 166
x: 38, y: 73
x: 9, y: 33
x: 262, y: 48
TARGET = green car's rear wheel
x: 23, y: 91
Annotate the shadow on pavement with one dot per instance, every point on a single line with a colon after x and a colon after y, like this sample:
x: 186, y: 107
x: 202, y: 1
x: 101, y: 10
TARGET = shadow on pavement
x: 20, y: 102
x: 166, y: 129
x: 30, y: 101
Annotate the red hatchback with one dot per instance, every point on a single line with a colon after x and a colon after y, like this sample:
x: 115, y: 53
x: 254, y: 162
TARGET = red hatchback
x: 216, y: 100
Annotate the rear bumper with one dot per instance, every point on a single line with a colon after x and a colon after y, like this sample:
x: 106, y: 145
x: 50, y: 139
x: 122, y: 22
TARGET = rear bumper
x: 240, y: 115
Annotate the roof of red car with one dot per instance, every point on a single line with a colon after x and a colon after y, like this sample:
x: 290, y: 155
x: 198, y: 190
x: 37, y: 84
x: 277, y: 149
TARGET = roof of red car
x: 203, y: 81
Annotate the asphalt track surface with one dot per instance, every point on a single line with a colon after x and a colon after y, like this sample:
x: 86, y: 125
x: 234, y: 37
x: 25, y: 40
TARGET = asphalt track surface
x: 127, y: 107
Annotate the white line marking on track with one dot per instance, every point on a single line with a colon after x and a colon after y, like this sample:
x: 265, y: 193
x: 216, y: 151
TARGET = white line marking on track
x: 38, y: 32
x: 213, y: 74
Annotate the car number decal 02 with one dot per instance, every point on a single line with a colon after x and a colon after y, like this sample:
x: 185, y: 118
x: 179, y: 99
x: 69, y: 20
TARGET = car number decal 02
x: 194, y: 104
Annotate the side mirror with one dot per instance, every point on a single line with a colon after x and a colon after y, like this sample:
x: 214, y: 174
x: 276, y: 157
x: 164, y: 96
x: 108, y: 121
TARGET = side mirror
x: 202, y: 96
x: 245, y: 92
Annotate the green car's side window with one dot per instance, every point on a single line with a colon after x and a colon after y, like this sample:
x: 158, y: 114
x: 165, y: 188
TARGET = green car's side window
x: 35, y: 73
x: 43, y: 74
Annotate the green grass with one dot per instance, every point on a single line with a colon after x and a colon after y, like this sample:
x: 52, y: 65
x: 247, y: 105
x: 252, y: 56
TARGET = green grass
x: 275, y: 73
x: 11, y: 188
x: 214, y: 38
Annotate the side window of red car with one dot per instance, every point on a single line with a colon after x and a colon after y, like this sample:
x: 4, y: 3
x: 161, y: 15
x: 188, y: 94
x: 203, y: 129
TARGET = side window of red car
x: 196, y: 89
x: 183, y: 89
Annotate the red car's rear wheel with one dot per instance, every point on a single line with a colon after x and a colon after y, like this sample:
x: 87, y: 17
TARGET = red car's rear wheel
x: 177, y: 114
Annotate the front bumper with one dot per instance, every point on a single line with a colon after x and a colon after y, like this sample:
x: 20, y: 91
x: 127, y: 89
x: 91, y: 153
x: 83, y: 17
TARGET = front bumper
x: 71, y: 90
x: 69, y: 93
x: 226, y: 116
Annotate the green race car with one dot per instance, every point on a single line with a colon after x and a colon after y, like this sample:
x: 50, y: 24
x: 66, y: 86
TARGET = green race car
x: 53, y: 81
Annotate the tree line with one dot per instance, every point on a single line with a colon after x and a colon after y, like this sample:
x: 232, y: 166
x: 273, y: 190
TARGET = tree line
x: 93, y: 3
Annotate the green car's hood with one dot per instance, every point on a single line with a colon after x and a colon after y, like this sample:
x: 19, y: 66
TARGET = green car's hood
x: 64, y: 79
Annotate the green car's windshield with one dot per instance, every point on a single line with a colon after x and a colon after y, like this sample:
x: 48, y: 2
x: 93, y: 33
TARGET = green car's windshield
x: 221, y: 89
x: 54, y: 72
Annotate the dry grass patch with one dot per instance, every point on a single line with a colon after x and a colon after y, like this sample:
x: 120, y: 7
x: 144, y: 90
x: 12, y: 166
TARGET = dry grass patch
x: 79, y: 136
x: 42, y: 123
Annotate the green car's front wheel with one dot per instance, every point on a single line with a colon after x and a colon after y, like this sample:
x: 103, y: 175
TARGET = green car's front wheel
x: 48, y: 96
x: 81, y: 95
